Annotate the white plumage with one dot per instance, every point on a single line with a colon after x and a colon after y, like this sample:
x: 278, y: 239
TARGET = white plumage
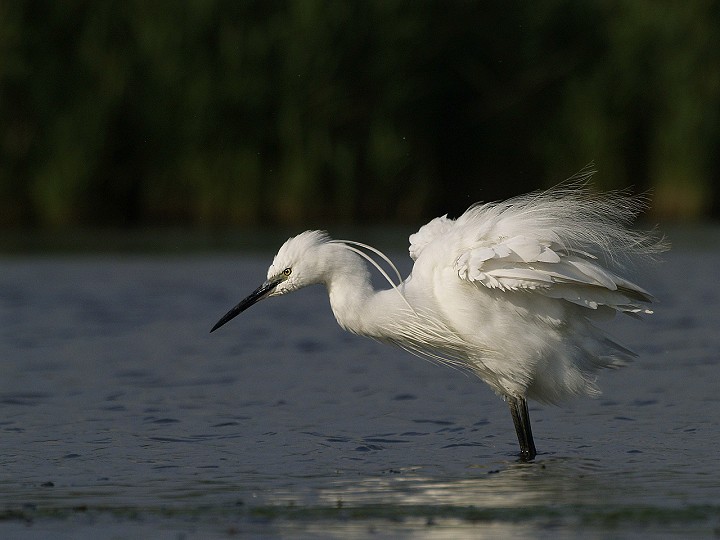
x: 510, y: 291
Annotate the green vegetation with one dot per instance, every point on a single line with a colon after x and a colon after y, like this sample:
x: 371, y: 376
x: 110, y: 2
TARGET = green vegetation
x: 213, y: 113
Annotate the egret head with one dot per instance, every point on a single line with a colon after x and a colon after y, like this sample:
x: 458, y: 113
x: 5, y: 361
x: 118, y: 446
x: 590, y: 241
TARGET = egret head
x: 296, y: 265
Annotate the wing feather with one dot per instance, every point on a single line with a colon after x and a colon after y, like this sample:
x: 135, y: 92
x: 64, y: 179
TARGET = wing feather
x: 521, y: 263
x: 428, y: 233
x: 565, y: 243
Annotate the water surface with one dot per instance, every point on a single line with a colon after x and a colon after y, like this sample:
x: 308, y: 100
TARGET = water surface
x: 123, y: 417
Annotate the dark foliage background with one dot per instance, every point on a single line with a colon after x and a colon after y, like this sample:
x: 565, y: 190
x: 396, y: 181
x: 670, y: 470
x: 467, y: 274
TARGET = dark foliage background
x: 218, y: 113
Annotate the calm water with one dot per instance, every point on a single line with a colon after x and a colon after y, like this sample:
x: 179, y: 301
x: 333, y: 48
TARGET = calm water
x: 123, y: 418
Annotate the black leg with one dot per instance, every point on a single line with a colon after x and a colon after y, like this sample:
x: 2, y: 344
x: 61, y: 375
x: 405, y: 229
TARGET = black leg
x: 521, y: 419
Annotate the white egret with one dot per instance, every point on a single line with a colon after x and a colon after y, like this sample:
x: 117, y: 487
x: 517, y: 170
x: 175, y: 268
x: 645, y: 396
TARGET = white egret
x: 509, y: 290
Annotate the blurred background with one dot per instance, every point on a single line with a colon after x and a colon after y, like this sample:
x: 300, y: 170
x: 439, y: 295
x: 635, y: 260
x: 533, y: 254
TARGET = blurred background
x: 222, y: 114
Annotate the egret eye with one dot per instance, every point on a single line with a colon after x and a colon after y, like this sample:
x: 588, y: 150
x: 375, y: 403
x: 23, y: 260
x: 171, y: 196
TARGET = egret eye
x: 287, y: 272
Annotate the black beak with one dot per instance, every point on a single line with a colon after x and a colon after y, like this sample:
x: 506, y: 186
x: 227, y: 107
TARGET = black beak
x: 258, y: 294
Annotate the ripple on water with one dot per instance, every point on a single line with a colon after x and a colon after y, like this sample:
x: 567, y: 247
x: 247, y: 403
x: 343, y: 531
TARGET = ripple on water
x: 143, y: 420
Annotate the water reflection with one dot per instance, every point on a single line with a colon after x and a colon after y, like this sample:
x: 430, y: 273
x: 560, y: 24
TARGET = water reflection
x: 511, y: 485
